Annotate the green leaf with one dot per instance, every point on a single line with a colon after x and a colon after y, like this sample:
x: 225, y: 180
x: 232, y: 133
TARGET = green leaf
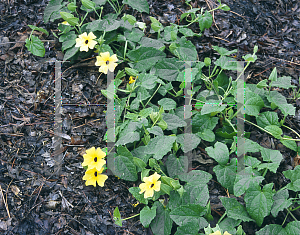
x: 72, y: 6
x: 244, y: 179
x: 224, y: 7
x: 226, y: 132
x: 195, y: 194
x: 88, y: 4
x: 206, y: 135
x: 139, y: 163
x: 139, y: 5
x: 99, y: 2
x: 185, y: 50
x: 156, y: 130
x: 229, y: 224
x: 188, y: 213
x: 279, y: 100
x: 281, y: 202
x: 292, y: 228
x: 162, y: 223
x: 129, y: 138
x: 283, y: 82
x: 156, y: 25
x: 52, y: 7
x: 187, y: 32
x: 259, y: 202
x: 131, y: 19
x: 150, y: 42
x: 167, y: 103
x: 168, y: 68
x: 195, y: 177
x: 205, y: 21
x: 251, y: 146
x: 106, y: 25
x: 190, y: 228
x: 226, y: 174
x: 228, y: 63
x: 35, y: 46
x: 202, y: 122
x: 267, y: 118
x: 147, y: 80
x: 160, y: 146
x: 274, y: 130
x: 271, y: 155
x: 135, y: 191
x: 262, y: 83
x: 70, y: 53
x: 145, y: 58
x: 69, y: 18
x: 294, y: 176
x: 273, y: 75
x: 123, y: 151
x: 253, y: 103
x: 70, y: 42
x: 291, y: 144
x: 176, y: 166
x: 212, y: 106
x: 235, y: 210
x: 223, y: 51
x: 147, y: 215
x: 39, y: 29
x: 188, y: 141
x: 251, y: 161
x: 134, y: 35
x: 117, y: 217
x: 173, y: 121
x: 125, y: 168
x: 220, y: 153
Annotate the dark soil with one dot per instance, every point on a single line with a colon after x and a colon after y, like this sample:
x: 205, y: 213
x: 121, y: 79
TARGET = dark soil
x: 42, y: 202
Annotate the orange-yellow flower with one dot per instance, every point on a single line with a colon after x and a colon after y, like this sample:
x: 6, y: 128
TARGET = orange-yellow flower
x: 94, y: 158
x: 65, y: 23
x: 151, y: 184
x: 132, y: 79
x: 219, y: 233
x: 92, y: 176
x: 106, y: 62
x: 86, y: 41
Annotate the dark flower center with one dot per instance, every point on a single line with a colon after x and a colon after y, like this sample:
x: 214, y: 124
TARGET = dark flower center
x: 151, y: 185
x: 95, y: 159
x: 86, y: 41
x: 107, y: 62
x: 95, y: 174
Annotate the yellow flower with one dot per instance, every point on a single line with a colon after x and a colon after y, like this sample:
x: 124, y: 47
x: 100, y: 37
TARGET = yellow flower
x: 94, y: 158
x: 151, y: 184
x: 132, y: 79
x: 106, y: 62
x: 219, y: 233
x: 65, y: 23
x: 92, y: 176
x: 86, y: 41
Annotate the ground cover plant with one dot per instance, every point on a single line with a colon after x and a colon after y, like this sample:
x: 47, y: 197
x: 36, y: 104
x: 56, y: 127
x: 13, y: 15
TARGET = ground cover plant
x: 154, y: 78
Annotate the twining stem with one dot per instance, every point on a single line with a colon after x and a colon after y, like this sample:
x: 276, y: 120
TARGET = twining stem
x: 291, y: 130
x: 260, y: 127
x: 222, y: 217
x: 131, y: 217
x: 153, y: 94
x: 291, y: 214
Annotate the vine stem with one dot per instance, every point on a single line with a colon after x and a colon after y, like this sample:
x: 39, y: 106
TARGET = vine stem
x: 291, y: 130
